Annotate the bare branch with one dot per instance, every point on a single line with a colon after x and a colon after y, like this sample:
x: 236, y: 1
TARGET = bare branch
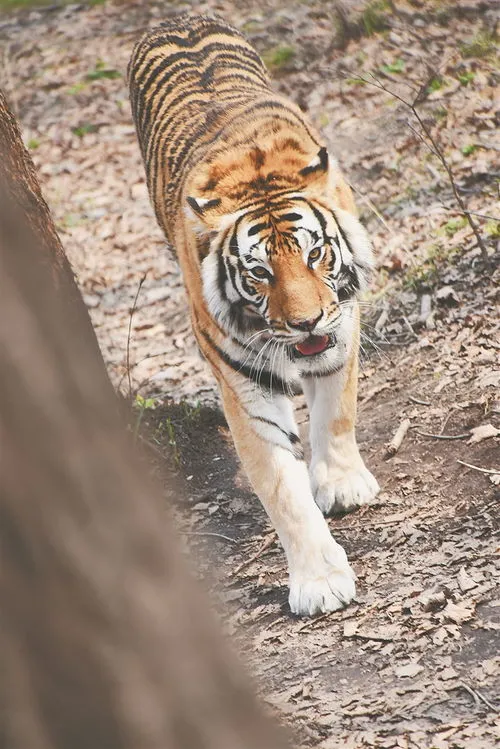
x: 435, y: 149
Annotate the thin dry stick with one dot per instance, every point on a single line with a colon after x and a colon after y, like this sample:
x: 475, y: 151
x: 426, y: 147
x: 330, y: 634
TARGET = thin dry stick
x: 263, y: 547
x: 477, y: 468
x: 209, y: 534
x: 442, y: 436
x: 435, y: 150
x: 130, y: 331
x: 393, y: 446
x: 420, y: 401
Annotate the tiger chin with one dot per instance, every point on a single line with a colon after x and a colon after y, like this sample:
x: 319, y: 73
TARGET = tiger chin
x: 273, y: 258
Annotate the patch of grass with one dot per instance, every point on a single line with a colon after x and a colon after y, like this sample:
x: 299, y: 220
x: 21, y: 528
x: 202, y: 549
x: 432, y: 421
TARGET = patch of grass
x: 355, y: 82
x: 77, y: 87
x: 278, y: 57
x: 436, y: 84
x: 492, y: 229
x: 451, y: 227
x: 466, y: 78
x: 141, y: 405
x: 481, y: 45
x: 440, y: 113
x: 33, y: 144
x: 166, y: 429
x: 84, y: 129
x: 397, y: 66
x: 374, y: 17
x: 323, y: 119
x: 469, y: 149
x: 101, y: 71
x: 425, y: 274
x: 192, y: 412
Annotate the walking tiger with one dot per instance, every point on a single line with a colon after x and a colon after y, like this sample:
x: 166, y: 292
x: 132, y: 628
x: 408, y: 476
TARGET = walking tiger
x: 273, y: 258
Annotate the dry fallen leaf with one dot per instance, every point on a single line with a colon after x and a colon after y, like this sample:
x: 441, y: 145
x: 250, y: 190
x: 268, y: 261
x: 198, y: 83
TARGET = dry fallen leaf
x: 465, y: 581
x: 459, y: 612
x: 408, y: 671
x: 483, y: 432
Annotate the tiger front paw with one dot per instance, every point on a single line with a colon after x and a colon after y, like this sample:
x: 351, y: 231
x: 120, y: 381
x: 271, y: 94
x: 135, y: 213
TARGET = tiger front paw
x: 344, y: 491
x: 325, y: 584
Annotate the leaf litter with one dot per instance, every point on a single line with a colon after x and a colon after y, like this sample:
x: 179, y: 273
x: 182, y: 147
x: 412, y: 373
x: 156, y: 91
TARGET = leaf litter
x: 414, y: 661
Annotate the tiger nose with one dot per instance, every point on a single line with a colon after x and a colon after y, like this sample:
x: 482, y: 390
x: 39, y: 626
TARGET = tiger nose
x: 306, y: 325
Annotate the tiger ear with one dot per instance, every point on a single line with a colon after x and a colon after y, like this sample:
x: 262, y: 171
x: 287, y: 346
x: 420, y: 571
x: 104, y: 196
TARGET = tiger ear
x: 318, y: 165
x: 201, y: 205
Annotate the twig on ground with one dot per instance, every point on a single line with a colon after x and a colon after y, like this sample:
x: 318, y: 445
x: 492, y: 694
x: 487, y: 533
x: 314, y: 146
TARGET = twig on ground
x: 132, y: 311
x: 393, y: 446
x: 445, y: 421
x: 476, y: 696
x: 477, y: 468
x: 410, y: 327
x: 442, y: 436
x: 212, y: 535
x: 434, y: 147
x: 271, y: 538
x: 420, y: 401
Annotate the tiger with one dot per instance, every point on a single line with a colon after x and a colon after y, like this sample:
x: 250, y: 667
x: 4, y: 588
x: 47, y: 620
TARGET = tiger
x: 273, y: 258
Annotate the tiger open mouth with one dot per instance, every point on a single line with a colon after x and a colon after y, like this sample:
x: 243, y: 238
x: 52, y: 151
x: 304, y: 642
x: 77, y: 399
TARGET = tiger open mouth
x: 313, y: 345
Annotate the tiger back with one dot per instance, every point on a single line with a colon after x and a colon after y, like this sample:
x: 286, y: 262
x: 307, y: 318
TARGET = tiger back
x: 273, y: 258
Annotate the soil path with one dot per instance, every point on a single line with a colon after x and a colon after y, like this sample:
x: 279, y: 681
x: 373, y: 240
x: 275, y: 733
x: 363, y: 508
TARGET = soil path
x: 414, y: 662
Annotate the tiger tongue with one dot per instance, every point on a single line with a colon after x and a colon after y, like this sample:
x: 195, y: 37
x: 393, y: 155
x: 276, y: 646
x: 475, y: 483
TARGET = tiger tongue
x: 315, y: 344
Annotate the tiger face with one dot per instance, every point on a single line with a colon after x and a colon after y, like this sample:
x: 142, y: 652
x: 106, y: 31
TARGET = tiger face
x: 289, y: 264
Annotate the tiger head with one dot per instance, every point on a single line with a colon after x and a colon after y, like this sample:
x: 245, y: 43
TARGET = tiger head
x: 283, y: 248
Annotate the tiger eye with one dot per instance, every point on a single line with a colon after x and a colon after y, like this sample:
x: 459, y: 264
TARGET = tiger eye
x: 259, y: 272
x: 314, y: 254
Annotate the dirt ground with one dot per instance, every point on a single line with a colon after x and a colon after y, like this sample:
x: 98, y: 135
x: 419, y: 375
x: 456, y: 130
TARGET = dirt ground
x: 414, y: 661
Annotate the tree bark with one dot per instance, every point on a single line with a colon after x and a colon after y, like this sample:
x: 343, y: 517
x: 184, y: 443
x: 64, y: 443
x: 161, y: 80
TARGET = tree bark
x: 105, y: 640
x: 19, y: 178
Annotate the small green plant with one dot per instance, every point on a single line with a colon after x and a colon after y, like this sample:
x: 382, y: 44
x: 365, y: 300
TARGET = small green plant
x: 492, y: 229
x: 375, y: 17
x: 278, y: 57
x: 33, y: 143
x: 397, y: 66
x: 77, y: 87
x: 426, y: 273
x: 141, y: 405
x: 453, y: 225
x: 101, y: 71
x: 440, y: 113
x: 144, y: 403
x: 166, y: 429
x: 469, y: 149
x: 435, y: 84
x: 191, y: 412
x: 84, y: 129
x: 466, y: 78
x: 482, y: 45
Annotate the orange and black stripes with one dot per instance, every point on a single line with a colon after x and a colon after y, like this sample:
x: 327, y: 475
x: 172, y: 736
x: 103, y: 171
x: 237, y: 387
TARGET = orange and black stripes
x: 196, y: 84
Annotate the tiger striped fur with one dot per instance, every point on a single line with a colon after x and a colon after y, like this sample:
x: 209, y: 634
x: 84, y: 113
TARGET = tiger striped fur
x: 273, y: 258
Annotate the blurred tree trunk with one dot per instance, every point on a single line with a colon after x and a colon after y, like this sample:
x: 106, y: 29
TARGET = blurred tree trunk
x: 20, y: 180
x: 105, y: 640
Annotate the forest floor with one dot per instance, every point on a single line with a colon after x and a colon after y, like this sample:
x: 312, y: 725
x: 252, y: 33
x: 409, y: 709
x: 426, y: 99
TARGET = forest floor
x: 414, y: 661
